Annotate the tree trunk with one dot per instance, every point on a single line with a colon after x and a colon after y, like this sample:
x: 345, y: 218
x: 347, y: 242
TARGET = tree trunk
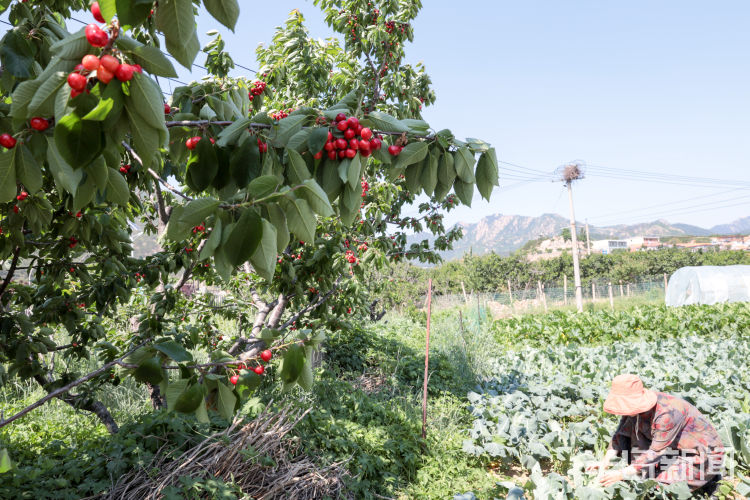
x: 86, y: 403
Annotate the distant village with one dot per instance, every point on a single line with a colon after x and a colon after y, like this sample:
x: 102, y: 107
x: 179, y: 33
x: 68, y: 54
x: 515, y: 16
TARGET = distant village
x: 554, y: 247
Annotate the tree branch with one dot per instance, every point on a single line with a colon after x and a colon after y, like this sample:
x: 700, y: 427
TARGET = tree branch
x: 11, y: 271
x: 153, y: 174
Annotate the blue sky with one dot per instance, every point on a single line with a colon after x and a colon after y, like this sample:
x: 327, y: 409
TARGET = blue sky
x: 661, y: 87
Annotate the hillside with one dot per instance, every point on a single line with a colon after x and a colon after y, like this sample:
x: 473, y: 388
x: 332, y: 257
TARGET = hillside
x: 504, y: 234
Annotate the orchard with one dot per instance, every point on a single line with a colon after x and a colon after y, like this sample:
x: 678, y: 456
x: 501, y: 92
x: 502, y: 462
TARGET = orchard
x: 286, y: 188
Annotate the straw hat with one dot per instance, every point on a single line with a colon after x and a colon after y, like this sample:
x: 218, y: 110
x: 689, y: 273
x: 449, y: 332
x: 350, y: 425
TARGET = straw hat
x: 628, y: 396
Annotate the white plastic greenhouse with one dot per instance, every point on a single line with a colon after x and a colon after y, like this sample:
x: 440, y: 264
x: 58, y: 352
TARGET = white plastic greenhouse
x: 708, y: 285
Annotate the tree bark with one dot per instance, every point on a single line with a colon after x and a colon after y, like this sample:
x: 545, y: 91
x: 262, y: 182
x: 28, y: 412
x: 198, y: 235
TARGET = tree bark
x: 86, y: 403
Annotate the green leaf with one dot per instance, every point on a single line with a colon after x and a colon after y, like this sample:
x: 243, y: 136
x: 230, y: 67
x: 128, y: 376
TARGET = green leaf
x: 174, y: 390
x: 132, y: 12
x: 84, y: 194
x: 263, y: 186
x: 74, y: 46
x: 297, y: 171
x: 464, y: 163
x: 385, y: 122
x: 300, y: 219
x: 100, y: 112
x: 149, y: 371
x: 28, y: 172
x: 22, y: 96
x: 5, y: 462
x: 305, y: 379
x: 7, y: 177
x: 286, y: 128
x: 176, y: 20
x: 316, y: 198
x: 233, y: 132
x: 203, y: 164
x: 244, y: 164
x: 244, y: 238
x: 78, y: 141
x: 464, y: 191
x: 413, y: 176
x: 16, y: 54
x: 343, y: 169
x: 190, y: 400
x: 412, y: 153
x: 117, y: 188
x: 292, y: 364
x: 43, y: 103
x: 278, y: 219
x: 486, y: 175
x: 317, y: 139
x: 354, y: 171
x: 264, y: 257
x: 65, y: 176
x: 145, y: 139
x: 198, y: 210
x: 227, y: 402
x: 151, y: 59
x: 428, y: 178
x: 146, y: 98
x: 224, y: 11
x: 174, y: 350
x: 213, y: 241
x: 108, y: 9
x: 446, y: 170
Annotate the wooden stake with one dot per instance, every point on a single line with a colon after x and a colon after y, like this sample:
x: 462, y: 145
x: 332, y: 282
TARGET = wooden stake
x: 544, y: 298
x: 628, y: 289
x: 510, y: 293
x: 611, y: 297
x: 593, y: 292
x: 620, y: 288
x: 665, y: 282
x: 565, y: 289
x: 463, y: 288
x: 427, y: 359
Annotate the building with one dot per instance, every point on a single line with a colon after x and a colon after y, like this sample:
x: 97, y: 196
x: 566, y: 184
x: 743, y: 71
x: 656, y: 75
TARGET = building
x: 608, y: 246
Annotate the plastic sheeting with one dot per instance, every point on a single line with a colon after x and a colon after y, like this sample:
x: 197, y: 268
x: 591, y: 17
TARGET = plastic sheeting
x: 708, y: 285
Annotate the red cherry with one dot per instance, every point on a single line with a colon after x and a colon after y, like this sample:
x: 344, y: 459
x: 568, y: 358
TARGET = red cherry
x: 90, y: 62
x: 138, y: 68
x: 358, y: 129
x: 259, y: 369
x: 353, y: 122
x: 7, y: 141
x: 341, y: 143
x: 351, y: 153
x: 394, y: 150
x: 332, y: 155
x: 190, y: 143
x: 342, y: 154
x: 375, y: 143
x: 354, y: 144
x: 262, y: 146
x: 97, y: 12
x: 266, y: 355
x: 365, y: 152
x: 329, y: 146
x: 104, y: 75
x: 340, y: 117
x: 75, y: 93
x: 364, y: 146
x: 125, y: 72
x: 167, y: 109
x: 77, y: 81
x: 39, y: 123
x: 234, y: 379
x: 79, y: 68
x: 15, y: 209
x: 342, y: 125
x: 109, y: 63
x: 96, y: 36
x: 366, y: 134
x: 330, y: 136
x: 318, y: 155
x: 349, y: 134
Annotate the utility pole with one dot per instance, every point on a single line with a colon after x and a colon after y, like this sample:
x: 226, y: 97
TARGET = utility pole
x: 568, y: 174
x: 588, y: 239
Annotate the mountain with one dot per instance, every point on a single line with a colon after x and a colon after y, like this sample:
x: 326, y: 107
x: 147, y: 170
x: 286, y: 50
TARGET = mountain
x: 504, y: 234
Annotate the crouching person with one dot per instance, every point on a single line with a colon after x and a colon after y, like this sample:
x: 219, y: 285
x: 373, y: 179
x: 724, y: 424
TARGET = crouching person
x: 663, y: 437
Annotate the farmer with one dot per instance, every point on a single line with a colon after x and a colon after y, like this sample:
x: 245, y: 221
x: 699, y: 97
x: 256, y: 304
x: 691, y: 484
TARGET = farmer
x: 662, y: 437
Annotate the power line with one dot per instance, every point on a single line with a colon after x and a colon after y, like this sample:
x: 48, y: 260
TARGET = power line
x: 704, y: 207
x: 627, y: 174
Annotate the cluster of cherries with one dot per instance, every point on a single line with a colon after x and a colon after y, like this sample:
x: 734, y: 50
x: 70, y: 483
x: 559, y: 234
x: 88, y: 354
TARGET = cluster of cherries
x: 37, y: 123
x: 280, y: 114
x: 257, y: 89
x: 365, y: 188
x: 73, y: 242
x: 125, y: 169
x: 199, y: 229
x: 356, y: 139
x: 351, y: 258
x: 259, y: 369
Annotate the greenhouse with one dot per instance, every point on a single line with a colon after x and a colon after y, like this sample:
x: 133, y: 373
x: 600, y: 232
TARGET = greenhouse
x: 708, y: 285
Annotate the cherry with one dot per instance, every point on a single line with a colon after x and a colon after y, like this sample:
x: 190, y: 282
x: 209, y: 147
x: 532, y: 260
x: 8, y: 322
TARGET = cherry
x: 365, y: 152
x: 330, y: 136
x: 341, y: 143
x: 77, y: 81
x: 349, y: 134
x: 167, y: 109
x: 79, y: 68
x: 332, y: 155
x: 105, y: 76
x: 96, y: 36
x: 342, y: 125
x: 318, y: 155
x: 262, y: 146
x: 394, y: 150
x: 90, y: 62
x: 354, y: 144
x: 15, y: 209
x: 39, y: 123
x: 75, y: 93
x: 234, y: 379
x: 7, y: 141
x: 191, y: 143
x: 109, y: 63
x: 375, y: 143
x: 138, y: 69
x: 22, y: 196
x: 366, y: 134
x: 329, y: 146
x: 363, y: 146
x: 353, y: 122
x: 266, y: 355
x: 358, y: 129
x: 259, y: 369
x: 97, y: 12
x: 351, y: 153
x: 125, y: 72
x: 342, y: 154
x: 340, y: 117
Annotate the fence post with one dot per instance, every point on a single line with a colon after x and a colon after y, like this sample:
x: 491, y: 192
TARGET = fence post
x: 510, y: 293
x: 620, y: 288
x: 463, y: 288
x: 593, y: 292
x: 544, y: 296
x: 565, y: 289
x: 628, y: 289
x: 611, y: 297
x: 665, y: 283
x: 426, y: 359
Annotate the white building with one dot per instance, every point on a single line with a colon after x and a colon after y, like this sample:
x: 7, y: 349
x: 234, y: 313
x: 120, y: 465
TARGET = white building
x: 609, y: 246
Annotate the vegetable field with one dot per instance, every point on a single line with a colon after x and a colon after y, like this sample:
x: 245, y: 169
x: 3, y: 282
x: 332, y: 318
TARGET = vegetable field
x: 541, y: 408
